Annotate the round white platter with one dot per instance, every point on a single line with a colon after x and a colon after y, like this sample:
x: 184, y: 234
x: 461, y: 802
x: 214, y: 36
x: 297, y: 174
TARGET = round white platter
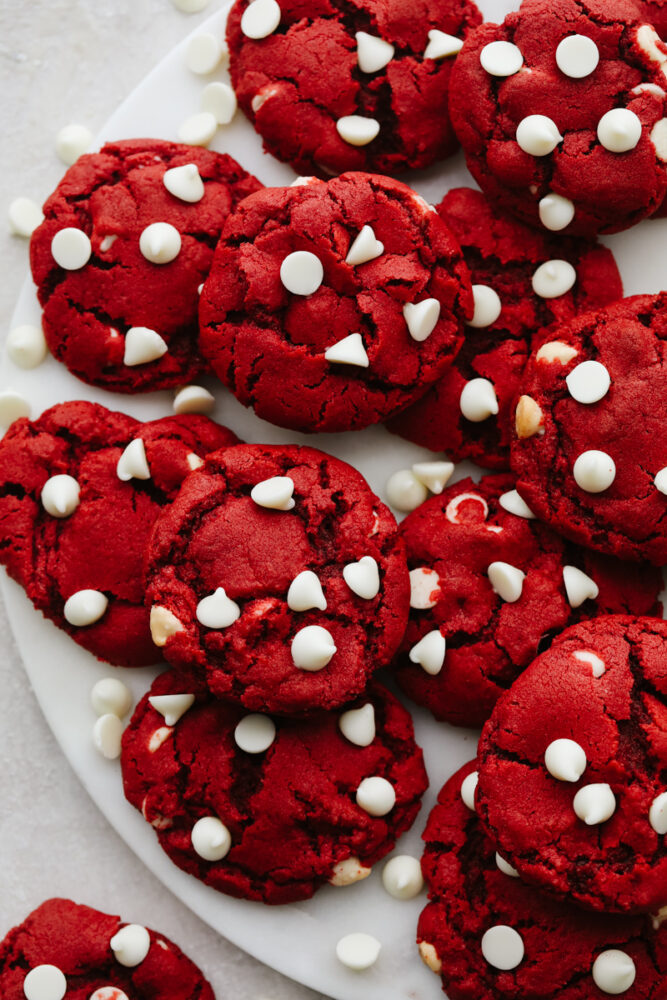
x: 299, y: 939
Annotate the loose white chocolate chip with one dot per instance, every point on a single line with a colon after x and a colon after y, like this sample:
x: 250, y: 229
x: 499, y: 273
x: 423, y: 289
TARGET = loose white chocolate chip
x: 405, y: 491
x: 553, y: 278
x: 160, y: 243
x: 133, y: 463
x: 301, y: 272
x: 478, y: 400
x: 528, y: 419
x: 429, y: 957
x: 356, y: 130
x: 219, y: 100
x: 594, y: 471
x: 594, y: 804
x: 109, y: 696
x: 433, y: 475
x: 402, y: 877
x: 348, y: 351
x: 537, y: 135
x: 376, y: 796
x: 660, y: 481
x: 163, y: 625
x: 514, y: 504
x: 364, y: 248
x: 217, y: 611
x: 556, y: 212
x: 468, y: 788
x: 429, y: 652
x: 597, y: 665
x: 107, y: 733
x: 26, y: 346
x: 24, y: 216
x: 73, y: 141
x: 452, y: 509
x: 589, y: 382
x: 172, y: 707
x: 13, y: 406
x: 505, y: 867
x: 203, y: 53
x: 45, y: 982
x: 619, y: 130
x: 613, y: 971
x: 184, y: 183
x: 373, y: 53
x: 506, y: 580
x: 424, y: 588
x: 199, y: 129
x: 421, y: 318
x: 255, y: 733
x: 130, y: 945
x: 487, y: 306
x: 577, y: 56
x: 143, y: 345
x: 85, y: 607
x: 502, y: 947
x: 501, y: 58
x: 658, y: 813
x: 358, y: 725
x: 305, y: 592
x: 358, y: 951
x: 275, y: 493
x: 312, y: 648
x: 565, y: 760
x: 348, y: 871
x: 193, y: 399
x: 441, y: 45
x: 578, y: 586
x: 363, y: 577
x: 556, y: 350
x: 210, y: 838
x: 260, y: 19
x: 190, y: 6
x: 60, y: 496
x: 71, y: 248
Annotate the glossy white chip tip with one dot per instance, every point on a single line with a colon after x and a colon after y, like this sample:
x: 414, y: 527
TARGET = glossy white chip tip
x: 501, y: 58
x: 405, y: 491
x: 255, y: 733
x: 487, y: 306
x: 594, y: 803
x: 348, y: 351
x: 468, y: 789
x: 312, y: 648
x: 433, y: 475
x: 421, y: 318
x: 577, y: 56
x: 184, y: 183
x: 130, y: 945
x: 172, y: 707
x: 13, y: 406
x: 364, y: 248
x: 594, y: 471
x: 193, y: 399
x: 260, y: 19
x: 45, y: 982
x: 619, y: 130
x: 274, y: 494
x: 514, y: 504
x: 60, y: 496
x: 71, y: 248
x: 424, y: 588
x: 505, y: 867
x: 85, y: 607
x: 478, y: 400
x: 556, y: 212
x: 26, y: 346
x: 613, y: 972
x: 198, y: 129
x: 133, y: 463
x: 24, y: 216
x: 160, y: 243
x: 73, y: 141
x: 219, y: 100
x: 553, y: 278
x: 305, y: 592
x: 429, y: 652
x: 373, y: 53
x: 301, y: 272
x: 107, y: 734
x: 402, y: 877
x: 216, y: 610
x: 143, y: 345
x: 565, y: 760
x: 579, y: 587
x: 109, y: 696
x: 502, y: 947
x: 358, y: 951
x: 506, y: 580
x: 660, y: 481
x: 441, y: 45
x: 203, y: 53
x: 210, y: 838
x: 376, y: 796
x: 658, y: 814
x: 589, y: 382
x: 358, y: 725
x: 356, y: 130
x: 363, y: 577
x: 538, y: 135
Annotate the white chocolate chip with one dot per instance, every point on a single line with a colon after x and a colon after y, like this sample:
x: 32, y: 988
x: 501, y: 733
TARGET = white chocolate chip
x: 659, y: 138
x: 594, y: 804
x: 421, y: 318
x: 172, y: 707
x: 108, y: 993
x: 514, y: 504
x: 301, y: 272
x: 429, y: 957
x: 505, y: 867
x: 619, y: 130
x: 190, y: 6
x: 274, y: 494
x: 160, y: 243
x: 660, y: 481
x: 143, y: 345
x: 478, y: 400
x: 193, y: 399
x: 577, y: 56
x: 502, y: 947
x: 130, y: 945
x: 45, y: 982
x: 364, y: 248
x: 537, y: 135
x: 198, y: 129
x: 85, y: 607
x: 424, y: 588
x: 356, y: 130
x: 107, y: 733
x: 429, y: 652
x: 260, y: 19
x: 163, y: 625
x: 26, y: 346
x: 405, y: 491
x: 133, y: 463
x: 501, y: 58
x: 363, y: 577
x: 184, y: 183
x: 578, y: 586
x: 529, y: 418
x: 402, y: 877
x: 658, y: 813
x: 597, y: 665
x: 589, y: 382
x: 210, y: 838
x: 487, y: 306
x: 255, y: 733
x: 194, y: 461
x: 217, y: 611
x: 565, y: 760
x: 373, y: 53
x: 348, y: 871
x: 203, y: 53
x: 155, y: 742
x: 305, y: 592
x: 13, y: 406
x: 312, y: 648
x: 376, y: 796
x: 556, y: 350
x: 358, y: 725
x: 60, y: 496
x: 358, y: 951
x: 556, y: 212
x: 433, y: 475
x: 506, y: 580
x: 441, y: 45
x: 219, y: 100
x: 71, y: 249
x: 613, y: 971
x: 553, y: 278
x: 348, y: 351
x: 111, y: 696
x: 468, y: 789
x: 594, y: 471
x: 452, y: 509
x: 73, y: 141
x: 24, y: 216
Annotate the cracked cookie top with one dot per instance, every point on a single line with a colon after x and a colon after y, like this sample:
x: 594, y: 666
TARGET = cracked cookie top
x: 589, y: 448
x: 523, y: 283
x: 329, y: 306
x: 271, y: 809
x: 561, y: 114
x: 573, y: 767
x: 351, y: 84
x: 64, y: 949
x: 127, y: 239
x: 491, y: 586
x: 80, y: 489
x: 492, y: 937
x: 278, y: 578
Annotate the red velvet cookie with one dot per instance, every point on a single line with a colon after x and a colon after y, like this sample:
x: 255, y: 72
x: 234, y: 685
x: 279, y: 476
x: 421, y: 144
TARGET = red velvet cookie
x: 330, y: 306
x: 65, y: 950
x: 589, y: 447
x: 493, y: 938
x: 573, y: 767
x: 80, y: 489
x: 491, y: 587
x: 127, y: 239
x: 271, y: 810
x: 523, y: 282
x: 561, y: 114
x: 356, y: 85
x: 278, y: 578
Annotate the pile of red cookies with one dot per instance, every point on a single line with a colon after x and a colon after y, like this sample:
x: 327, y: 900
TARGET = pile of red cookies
x: 268, y: 758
